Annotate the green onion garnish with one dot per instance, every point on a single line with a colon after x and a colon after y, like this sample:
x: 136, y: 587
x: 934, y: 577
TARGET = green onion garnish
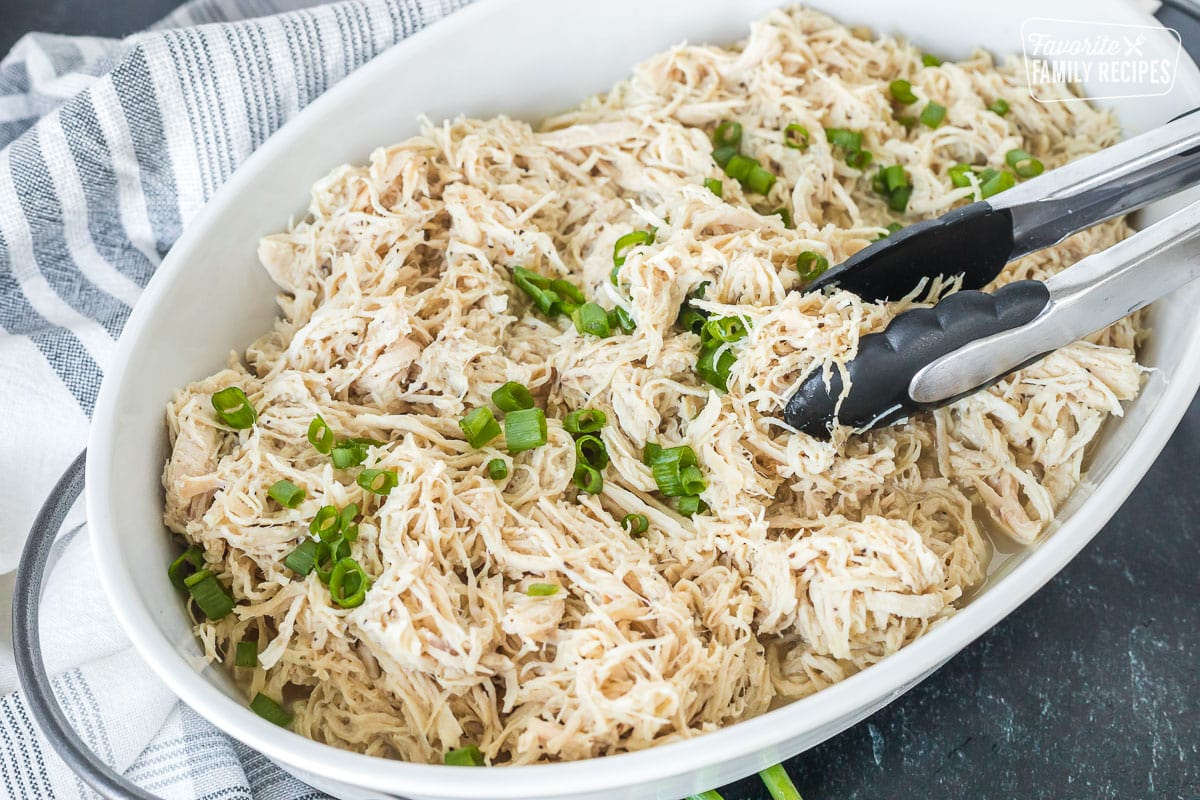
x: 302, y: 559
x: 464, y: 757
x: 667, y: 466
x: 785, y: 214
x: 715, y: 186
x: 185, y: 565
x: 567, y: 290
x: 859, y: 159
x: 690, y: 504
x: 348, y: 453
x: 779, y: 784
x: 590, y: 450
x: 620, y: 318
x: 585, y: 420
x: 693, y: 481
x: 480, y: 426
x: 592, y: 318
x: 714, y: 364
x: 286, y: 493
x: 796, y: 136
x: 246, y: 655
x: 378, y: 481
x: 723, y: 155
x: 960, y: 175
x: 320, y: 436
x: 894, y: 177
x: 901, y: 91
x: 326, y: 524
x: 930, y: 61
x: 348, y: 583
x: 898, y: 200
x: 810, y: 265
x: 739, y: 168
x: 209, y: 594
x: 932, y: 114
x: 542, y: 589
x: 327, y: 554
x: 512, y: 396
x: 269, y: 710
x: 999, y: 106
x: 691, y: 319
x: 346, y: 521
x: 907, y: 120
x: 497, y: 469
x: 233, y: 408
x: 728, y: 134
x: 724, y: 329
x: 524, y: 429
x: 588, y: 479
x: 760, y: 180
x: 635, y: 524
x: 650, y: 451
x: 995, y: 181
x: 847, y: 140
x: 629, y: 241
x: 1024, y: 164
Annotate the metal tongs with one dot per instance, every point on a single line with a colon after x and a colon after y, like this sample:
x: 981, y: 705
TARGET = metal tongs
x: 930, y: 357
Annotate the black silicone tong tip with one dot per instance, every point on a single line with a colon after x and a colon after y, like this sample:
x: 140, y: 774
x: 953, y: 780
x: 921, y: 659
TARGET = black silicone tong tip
x: 975, y: 241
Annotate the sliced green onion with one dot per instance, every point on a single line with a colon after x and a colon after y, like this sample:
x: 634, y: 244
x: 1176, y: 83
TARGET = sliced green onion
x: 547, y: 295
x: 898, y: 200
x: 999, y: 106
x: 714, y: 364
x: 346, y: 518
x: 960, y: 175
x: 724, y: 329
x: 995, y: 181
x: 901, y: 91
x: 480, y: 426
x: 529, y: 278
x: 246, y: 655
x: 347, y: 454
x: 286, y: 493
x: 728, y: 134
x: 930, y: 61
x: 378, y: 481
x: 209, y: 594
x: 907, y: 120
x: 785, y: 214
x: 524, y: 429
x: 464, y: 757
x: 588, y: 479
x: 348, y: 584
x: 715, y: 186
x: 723, y: 155
x: 584, y: 420
x: 693, y: 481
x: 650, y: 451
x: 810, y: 265
x: 894, y: 177
x: 628, y: 242
x: 778, y: 783
x: 542, y: 589
x: 796, y: 136
x: 620, y: 318
x: 497, y: 469
x: 635, y: 524
x: 739, y: 168
x: 320, y: 436
x: 302, y: 559
x: 593, y: 319
x: 690, y: 504
x: 1024, y: 164
x: 691, y: 319
x: 326, y: 556
x: 567, y: 289
x: 859, y: 159
x: 326, y: 524
x: 233, y: 408
x: 711, y: 794
x: 667, y: 468
x: 269, y: 710
x: 512, y: 396
x: 932, y: 115
x: 185, y: 565
x: 590, y: 450
x: 847, y: 140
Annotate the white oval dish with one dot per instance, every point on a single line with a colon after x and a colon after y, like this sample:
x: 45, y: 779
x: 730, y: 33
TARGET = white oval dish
x: 528, y: 58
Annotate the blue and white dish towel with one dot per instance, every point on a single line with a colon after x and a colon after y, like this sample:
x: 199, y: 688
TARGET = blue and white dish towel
x: 107, y: 150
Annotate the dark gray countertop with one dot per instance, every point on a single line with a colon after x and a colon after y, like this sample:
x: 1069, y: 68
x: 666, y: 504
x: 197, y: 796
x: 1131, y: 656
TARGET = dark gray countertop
x: 1090, y: 690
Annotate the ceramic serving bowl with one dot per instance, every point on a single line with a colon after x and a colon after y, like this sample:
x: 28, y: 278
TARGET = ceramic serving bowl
x: 529, y: 58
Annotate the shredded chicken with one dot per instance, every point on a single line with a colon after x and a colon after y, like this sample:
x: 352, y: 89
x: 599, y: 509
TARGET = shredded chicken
x: 814, y: 559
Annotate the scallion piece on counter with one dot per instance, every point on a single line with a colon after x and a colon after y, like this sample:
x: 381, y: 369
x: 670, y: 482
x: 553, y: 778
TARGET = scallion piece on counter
x: 998, y: 106
x: 326, y: 523
x: 690, y: 504
x: 715, y: 186
x: 728, y: 134
x: 512, y: 396
x: 584, y: 420
x: 524, y: 429
x: 901, y: 91
x: 723, y: 155
x: 464, y: 757
x: 960, y: 175
x: 622, y: 319
x: 209, y: 594
x: 269, y: 710
x: 635, y: 524
x: 542, y: 589
x: 348, y: 584
x: 932, y: 114
x: 320, y: 436
x: 930, y: 61
x: 847, y: 140
x: 994, y: 181
x: 497, y: 469
x: 796, y: 136
x: 233, y: 408
x: 378, y: 481
x: 348, y: 453
x: 779, y: 784
x: 302, y: 559
x: 188, y: 562
x: 246, y: 655
x: 591, y: 318
x: 590, y: 450
x: 588, y: 479
x: 810, y: 265
x: 1024, y: 164
x: 480, y: 426
x: 286, y: 493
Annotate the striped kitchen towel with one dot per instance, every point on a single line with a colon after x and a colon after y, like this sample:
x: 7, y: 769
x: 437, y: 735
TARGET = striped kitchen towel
x: 107, y: 150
